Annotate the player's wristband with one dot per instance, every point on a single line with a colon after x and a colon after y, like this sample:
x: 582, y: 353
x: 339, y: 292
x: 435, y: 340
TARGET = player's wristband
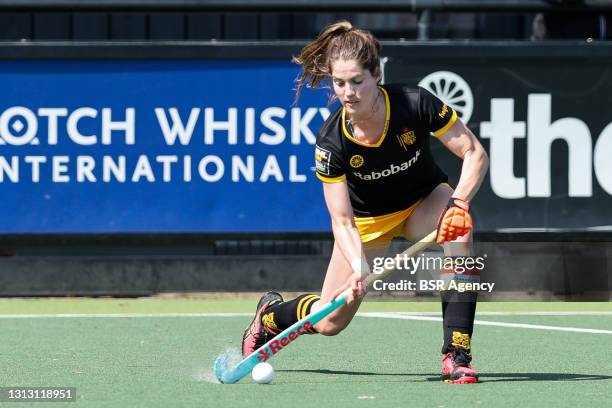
x: 458, y: 202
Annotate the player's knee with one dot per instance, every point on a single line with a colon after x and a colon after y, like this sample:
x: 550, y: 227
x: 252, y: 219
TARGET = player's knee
x: 329, y: 328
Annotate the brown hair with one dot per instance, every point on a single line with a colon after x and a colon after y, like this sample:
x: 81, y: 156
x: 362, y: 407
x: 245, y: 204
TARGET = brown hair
x: 336, y: 41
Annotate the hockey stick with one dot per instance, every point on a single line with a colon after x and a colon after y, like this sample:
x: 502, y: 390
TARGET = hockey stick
x: 229, y: 375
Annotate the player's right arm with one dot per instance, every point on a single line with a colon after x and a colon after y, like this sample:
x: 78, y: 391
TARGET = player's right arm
x: 346, y: 236
x: 331, y: 168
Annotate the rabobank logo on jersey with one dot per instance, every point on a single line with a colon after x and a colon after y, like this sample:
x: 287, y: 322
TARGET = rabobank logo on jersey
x: 389, y: 171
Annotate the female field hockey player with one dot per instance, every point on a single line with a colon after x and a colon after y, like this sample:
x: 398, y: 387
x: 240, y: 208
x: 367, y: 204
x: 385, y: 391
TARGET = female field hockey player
x: 380, y: 181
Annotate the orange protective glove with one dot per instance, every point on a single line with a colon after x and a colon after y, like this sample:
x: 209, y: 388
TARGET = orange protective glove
x: 455, y: 221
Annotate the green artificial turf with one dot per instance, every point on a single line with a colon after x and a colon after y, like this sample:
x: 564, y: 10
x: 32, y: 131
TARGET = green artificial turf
x: 165, y: 361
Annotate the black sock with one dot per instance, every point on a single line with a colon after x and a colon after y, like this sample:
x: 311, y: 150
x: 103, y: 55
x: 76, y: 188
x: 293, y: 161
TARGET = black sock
x: 282, y: 315
x: 458, y: 310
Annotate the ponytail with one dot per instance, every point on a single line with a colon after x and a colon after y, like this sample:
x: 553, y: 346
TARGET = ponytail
x: 336, y: 41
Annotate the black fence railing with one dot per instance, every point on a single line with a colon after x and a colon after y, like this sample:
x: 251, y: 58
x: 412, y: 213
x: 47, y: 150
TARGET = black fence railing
x: 193, y: 20
x: 307, y: 5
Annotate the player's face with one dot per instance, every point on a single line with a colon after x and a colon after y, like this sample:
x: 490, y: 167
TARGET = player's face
x: 355, y: 87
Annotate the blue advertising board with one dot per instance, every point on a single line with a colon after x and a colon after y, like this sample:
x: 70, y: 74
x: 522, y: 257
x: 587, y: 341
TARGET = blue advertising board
x: 158, y: 146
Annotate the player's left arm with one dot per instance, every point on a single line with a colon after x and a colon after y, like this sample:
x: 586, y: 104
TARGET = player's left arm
x: 443, y: 122
x: 456, y: 221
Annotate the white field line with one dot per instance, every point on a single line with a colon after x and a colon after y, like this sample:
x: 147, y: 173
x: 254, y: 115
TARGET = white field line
x: 552, y: 313
x: 118, y: 315
x: 425, y: 316
x: 365, y: 314
x: 489, y: 323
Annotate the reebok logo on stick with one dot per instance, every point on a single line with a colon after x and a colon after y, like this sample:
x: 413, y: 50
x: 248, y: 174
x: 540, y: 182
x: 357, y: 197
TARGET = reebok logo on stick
x: 277, y: 345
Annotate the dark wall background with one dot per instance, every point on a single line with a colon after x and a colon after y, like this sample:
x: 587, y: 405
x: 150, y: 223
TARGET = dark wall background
x: 96, y: 26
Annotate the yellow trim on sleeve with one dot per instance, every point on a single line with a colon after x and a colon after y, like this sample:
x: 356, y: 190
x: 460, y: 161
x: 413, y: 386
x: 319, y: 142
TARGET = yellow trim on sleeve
x: 386, y: 128
x: 450, y: 123
x: 331, y: 179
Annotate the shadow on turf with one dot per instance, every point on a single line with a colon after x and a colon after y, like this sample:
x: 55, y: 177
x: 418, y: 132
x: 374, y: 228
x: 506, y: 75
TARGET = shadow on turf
x: 337, y: 372
x: 487, y: 377
x: 509, y: 377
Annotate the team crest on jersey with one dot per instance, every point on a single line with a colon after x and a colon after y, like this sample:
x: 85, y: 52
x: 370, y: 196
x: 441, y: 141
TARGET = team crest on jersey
x: 407, y: 138
x: 322, y: 160
x: 356, y: 161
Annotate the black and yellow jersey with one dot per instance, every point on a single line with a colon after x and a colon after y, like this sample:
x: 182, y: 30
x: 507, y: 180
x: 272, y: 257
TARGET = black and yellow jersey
x: 398, y: 170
